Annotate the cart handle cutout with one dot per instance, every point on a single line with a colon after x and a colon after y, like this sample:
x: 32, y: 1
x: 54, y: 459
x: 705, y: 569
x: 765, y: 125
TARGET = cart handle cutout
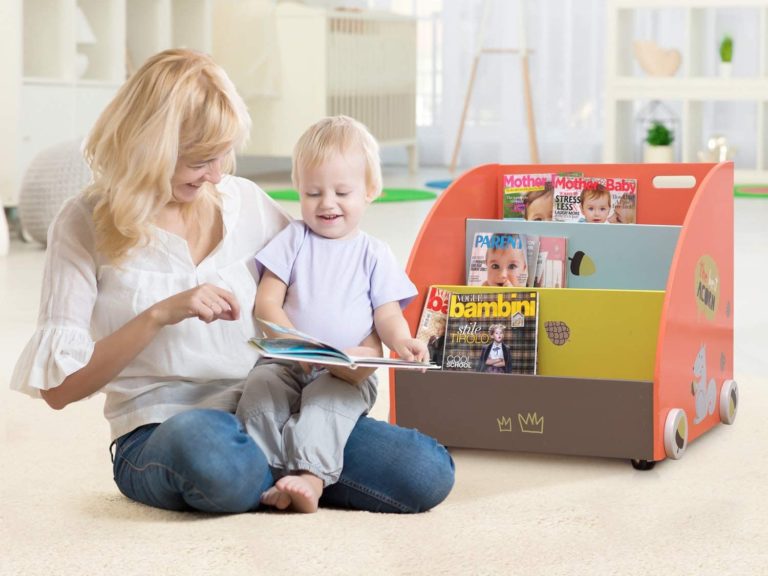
x: 681, y: 181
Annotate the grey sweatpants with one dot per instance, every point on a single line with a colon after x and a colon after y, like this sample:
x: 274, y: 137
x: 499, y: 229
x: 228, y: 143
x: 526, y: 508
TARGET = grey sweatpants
x: 302, y: 421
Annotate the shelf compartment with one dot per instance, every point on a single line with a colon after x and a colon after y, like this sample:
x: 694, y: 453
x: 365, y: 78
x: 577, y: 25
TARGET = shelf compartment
x: 611, y: 333
x: 49, y: 40
x: 588, y: 417
x: 104, y: 59
x: 148, y: 30
x: 738, y: 122
x: 624, y: 257
x: 192, y: 24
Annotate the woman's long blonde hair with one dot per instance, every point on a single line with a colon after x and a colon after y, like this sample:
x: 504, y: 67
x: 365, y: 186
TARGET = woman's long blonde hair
x: 179, y: 103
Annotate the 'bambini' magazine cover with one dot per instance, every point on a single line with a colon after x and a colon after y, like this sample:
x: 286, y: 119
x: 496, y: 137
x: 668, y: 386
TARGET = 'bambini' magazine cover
x: 492, y: 332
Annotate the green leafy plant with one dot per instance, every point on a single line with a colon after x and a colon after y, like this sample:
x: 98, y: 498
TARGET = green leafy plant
x: 659, y: 135
x: 726, y: 49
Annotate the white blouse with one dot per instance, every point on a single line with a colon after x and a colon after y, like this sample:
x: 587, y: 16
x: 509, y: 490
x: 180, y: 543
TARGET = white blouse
x: 188, y: 365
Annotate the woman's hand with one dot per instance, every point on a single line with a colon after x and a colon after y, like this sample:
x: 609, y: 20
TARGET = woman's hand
x: 113, y: 353
x: 206, y: 302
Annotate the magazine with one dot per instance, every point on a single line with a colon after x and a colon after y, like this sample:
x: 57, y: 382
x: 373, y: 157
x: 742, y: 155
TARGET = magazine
x: 529, y: 196
x: 551, y: 269
x: 492, y: 332
x: 568, y: 192
x: 515, y: 188
x: 532, y: 251
x: 503, y: 259
x: 623, y: 200
x: 596, y: 200
x: 431, y: 328
x: 291, y: 344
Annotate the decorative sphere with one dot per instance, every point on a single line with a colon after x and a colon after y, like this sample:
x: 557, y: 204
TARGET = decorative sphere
x: 54, y: 175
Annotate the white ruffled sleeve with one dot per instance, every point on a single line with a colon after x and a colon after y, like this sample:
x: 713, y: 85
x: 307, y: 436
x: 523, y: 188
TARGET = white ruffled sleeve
x: 62, y: 342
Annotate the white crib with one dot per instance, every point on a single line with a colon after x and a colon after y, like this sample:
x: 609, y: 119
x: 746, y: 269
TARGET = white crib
x: 327, y: 62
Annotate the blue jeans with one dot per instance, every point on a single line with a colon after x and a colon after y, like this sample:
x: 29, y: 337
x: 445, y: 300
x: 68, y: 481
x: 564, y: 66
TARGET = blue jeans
x: 204, y: 460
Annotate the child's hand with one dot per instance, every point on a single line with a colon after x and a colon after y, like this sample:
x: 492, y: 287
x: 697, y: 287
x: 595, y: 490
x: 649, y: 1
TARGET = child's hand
x: 411, y: 349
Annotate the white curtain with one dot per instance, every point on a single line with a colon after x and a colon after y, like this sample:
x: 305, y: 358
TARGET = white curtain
x: 566, y: 64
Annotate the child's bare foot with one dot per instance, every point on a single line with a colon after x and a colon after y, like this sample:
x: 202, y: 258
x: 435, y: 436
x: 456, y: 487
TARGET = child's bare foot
x: 303, y: 489
x: 278, y: 499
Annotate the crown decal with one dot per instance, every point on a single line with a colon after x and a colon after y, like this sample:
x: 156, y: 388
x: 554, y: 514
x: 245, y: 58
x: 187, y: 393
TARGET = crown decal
x: 505, y: 424
x: 531, y: 423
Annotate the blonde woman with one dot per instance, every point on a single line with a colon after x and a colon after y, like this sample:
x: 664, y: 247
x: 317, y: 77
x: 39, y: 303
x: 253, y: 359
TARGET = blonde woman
x: 149, y: 279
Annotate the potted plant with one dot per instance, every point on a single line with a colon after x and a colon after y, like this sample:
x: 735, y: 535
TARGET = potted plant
x: 726, y: 56
x: 658, y: 143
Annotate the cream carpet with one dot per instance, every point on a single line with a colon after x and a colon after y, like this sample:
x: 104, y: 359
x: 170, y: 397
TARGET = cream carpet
x: 509, y: 513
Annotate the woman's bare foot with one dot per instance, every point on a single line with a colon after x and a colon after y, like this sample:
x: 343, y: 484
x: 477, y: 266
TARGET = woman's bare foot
x: 303, y: 490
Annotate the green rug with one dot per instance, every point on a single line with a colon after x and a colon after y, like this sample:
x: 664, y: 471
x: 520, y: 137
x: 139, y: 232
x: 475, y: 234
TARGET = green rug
x: 751, y: 190
x: 387, y: 195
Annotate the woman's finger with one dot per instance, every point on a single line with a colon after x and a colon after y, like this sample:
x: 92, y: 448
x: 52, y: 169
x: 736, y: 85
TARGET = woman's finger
x: 228, y: 302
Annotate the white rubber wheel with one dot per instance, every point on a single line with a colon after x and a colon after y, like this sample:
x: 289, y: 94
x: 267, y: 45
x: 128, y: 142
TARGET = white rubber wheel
x: 676, y: 434
x: 729, y: 401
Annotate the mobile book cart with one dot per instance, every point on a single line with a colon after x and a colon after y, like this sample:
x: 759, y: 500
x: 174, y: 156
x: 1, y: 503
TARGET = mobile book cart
x: 635, y: 357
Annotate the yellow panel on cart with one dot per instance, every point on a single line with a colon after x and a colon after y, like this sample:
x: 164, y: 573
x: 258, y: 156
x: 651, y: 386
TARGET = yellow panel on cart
x: 594, y: 333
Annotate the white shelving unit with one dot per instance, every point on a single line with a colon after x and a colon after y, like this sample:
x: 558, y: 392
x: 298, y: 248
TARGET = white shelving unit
x: 696, y: 90
x: 70, y: 70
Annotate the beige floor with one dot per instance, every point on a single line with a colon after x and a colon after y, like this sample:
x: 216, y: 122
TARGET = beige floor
x: 706, y: 514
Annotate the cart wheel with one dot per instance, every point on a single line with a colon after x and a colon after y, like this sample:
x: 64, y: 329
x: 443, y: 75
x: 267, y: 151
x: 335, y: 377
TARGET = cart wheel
x: 729, y: 401
x: 676, y: 433
x: 642, y: 464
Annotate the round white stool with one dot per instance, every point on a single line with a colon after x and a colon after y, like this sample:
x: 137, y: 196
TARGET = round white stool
x: 54, y: 175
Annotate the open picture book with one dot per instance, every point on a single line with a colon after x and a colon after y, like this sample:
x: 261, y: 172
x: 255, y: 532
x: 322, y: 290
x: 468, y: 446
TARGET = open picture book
x: 291, y: 344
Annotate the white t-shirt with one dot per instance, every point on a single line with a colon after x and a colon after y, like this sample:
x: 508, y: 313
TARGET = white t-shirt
x: 188, y: 365
x: 334, y: 285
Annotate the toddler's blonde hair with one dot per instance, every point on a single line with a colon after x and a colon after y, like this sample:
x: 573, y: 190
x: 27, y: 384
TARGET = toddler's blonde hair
x: 180, y: 103
x: 338, y: 134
